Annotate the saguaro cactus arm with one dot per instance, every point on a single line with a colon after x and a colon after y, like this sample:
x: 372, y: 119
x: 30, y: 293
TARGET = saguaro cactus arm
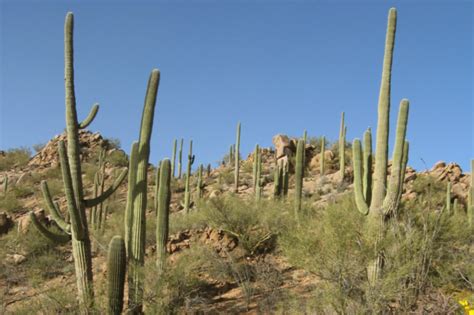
x: 53, y: 208
x: 357, y: 165
x: 391, y: 200
x: 54, y: 237
x: 367, y: 156
x: 88, y: 120
x: 107, y: 193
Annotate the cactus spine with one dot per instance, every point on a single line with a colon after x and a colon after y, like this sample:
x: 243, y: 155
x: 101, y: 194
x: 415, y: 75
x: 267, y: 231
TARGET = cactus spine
x: 173, y: 158
x: 139, y: 201
x: 299, y: 172
x: 321, y: 163
x: 342, y: 147
x: 180, y: 158
x: 116, y: 267
x: 237, y: 159
x: 162, y: 218
x: 187, y: 192
x: 73, y: 186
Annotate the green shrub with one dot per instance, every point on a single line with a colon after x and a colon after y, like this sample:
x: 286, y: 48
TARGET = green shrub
x: 15, y: 158
x: 118, y: 158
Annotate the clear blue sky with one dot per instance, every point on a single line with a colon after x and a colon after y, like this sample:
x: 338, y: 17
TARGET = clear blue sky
x: 278, y: 67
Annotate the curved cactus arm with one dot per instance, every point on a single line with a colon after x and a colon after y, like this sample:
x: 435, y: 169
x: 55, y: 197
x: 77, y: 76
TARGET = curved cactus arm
x: 390, y: 204
x: 367, y: 160
x: 86, y: 122
x: 357, y: 165
x: 107, y: 193
x: 54, y: 237
x: 54, y: 208
x: 78, y: 228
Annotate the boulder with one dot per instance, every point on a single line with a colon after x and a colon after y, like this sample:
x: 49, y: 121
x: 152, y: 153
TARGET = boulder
x: 283, y: 146
x: 6, y: 223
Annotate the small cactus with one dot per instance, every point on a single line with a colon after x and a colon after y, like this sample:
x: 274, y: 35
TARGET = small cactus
x: 116, y: 267
x: 255, y: 167
x: 286, y: 179
x: 278, y: 181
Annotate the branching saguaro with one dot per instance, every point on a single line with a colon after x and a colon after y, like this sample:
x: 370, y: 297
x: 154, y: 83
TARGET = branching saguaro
x: 78, y: 229
x: 382, y: 201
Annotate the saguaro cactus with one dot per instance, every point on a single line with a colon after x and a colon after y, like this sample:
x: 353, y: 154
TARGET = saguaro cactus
x: 187, y: 192
x: 286, y: 179
x: 97, y: 214
x: 180, y: 158
x: 136, y: 253
x: 199, y: 183
x: 385, y: 198
x: 470, y: 203
x: 321, y: 162
x: 277, y: 181
x: 448, y: 198
x: 162, y: 218
x: 237, y: 159
x: 116, y: 267
x: 73, y: 186
x: 299, y: 171
x: 259, y: 182
x: 5, y: 185
x: 255, y: 167
x: 173, y: 158
x: 132, y: 179
x: 342, y: 148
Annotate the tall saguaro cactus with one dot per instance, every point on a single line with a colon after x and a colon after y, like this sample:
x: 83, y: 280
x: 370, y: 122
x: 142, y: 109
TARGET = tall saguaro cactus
x: 173, y: 158
x: 470, y: 202
x: 180, y: 158
x: 139, y: 201
x: 259, y: 182
x: 255, y: 167
x: 199, y: 182
x: 187, y: 190
x: 72, y: 177
x: 162, y: 218
x: 385, y: 198
x: 342, y: 148
x: 299, y: 172
x: 116, y: 268
x: 237, y: 159
x: 321, y: 161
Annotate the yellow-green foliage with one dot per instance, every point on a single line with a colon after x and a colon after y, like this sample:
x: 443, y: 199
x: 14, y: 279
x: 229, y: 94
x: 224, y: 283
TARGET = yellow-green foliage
x: 15, y: 158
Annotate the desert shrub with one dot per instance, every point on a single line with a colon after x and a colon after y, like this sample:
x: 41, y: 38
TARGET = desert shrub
x: 114, y: 143
x: 118, y: 158
x: 58, y: 300
x: 180, y: 285
x: 15, y: 158
x: 254, y: 224
x: 226, y: 176
x: 424, y: 250
x: 10, y: 203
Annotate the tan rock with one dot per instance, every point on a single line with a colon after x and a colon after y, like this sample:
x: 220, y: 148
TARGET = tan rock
x: 283, y: 145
